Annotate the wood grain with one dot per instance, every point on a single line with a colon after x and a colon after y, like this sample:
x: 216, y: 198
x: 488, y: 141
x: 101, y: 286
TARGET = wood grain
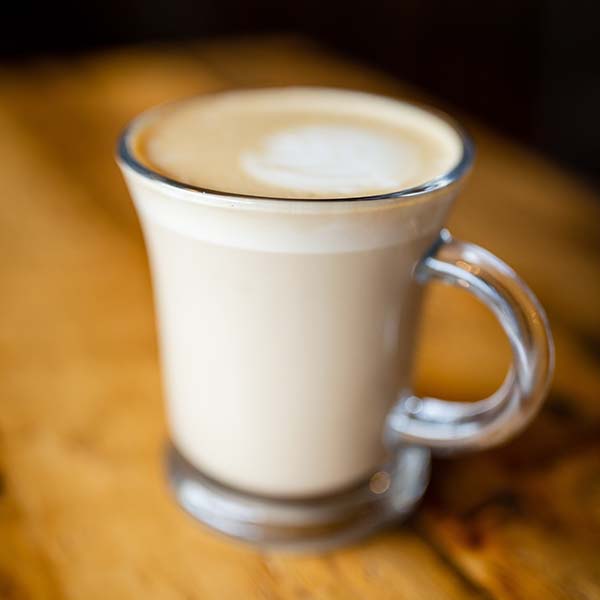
x: 84, y: 512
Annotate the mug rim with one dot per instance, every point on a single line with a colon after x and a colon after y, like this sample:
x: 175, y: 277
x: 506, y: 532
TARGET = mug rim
x: 126, y: 156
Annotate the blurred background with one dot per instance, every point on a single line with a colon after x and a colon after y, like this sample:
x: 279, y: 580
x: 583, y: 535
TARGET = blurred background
x: 527, y: 67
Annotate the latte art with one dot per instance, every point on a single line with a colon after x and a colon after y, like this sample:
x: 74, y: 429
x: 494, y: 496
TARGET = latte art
x: 332, y: 159
x: 298, y: 143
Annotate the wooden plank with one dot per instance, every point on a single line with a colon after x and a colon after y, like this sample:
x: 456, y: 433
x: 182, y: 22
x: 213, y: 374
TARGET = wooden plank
x: 398, y: 564
x: 85, y: 512
x: 536, y: 536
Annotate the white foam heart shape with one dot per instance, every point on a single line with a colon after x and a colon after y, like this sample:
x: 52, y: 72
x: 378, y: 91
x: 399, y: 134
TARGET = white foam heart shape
x: 332, y: 159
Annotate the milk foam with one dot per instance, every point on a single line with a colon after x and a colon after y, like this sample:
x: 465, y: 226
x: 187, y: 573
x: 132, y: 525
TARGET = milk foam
x: 298, y: 143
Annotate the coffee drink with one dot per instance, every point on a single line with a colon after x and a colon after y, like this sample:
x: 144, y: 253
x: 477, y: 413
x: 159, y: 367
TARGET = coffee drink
x: 284, y: 338
x: 290, y: 233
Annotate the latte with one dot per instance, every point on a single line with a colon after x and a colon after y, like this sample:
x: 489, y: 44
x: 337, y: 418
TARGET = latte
x: 286, y: 327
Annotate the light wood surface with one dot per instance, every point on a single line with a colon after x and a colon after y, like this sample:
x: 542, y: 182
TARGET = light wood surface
x: 84, y: 510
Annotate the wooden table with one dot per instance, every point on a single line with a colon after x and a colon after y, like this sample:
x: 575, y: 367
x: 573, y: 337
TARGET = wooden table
x: 84, y: 510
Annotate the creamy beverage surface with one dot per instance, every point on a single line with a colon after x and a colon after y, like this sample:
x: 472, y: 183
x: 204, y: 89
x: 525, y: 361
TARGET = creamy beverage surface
x: 299, y: 143
x: 286, y: 328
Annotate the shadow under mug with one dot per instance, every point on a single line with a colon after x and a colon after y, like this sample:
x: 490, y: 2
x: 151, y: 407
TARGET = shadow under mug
x: 287, y: 331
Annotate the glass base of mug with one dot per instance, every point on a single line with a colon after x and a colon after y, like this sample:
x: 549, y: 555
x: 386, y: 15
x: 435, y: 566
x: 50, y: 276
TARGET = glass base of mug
x: 310, y: 525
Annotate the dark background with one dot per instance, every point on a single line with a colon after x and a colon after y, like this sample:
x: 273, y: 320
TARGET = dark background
x: 527, y: 67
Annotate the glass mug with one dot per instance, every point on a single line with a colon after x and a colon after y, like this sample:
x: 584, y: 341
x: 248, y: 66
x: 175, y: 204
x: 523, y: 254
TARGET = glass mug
x: 287, y: 329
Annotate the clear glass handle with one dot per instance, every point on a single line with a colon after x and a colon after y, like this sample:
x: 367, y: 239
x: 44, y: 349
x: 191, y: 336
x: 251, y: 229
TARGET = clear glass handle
x: 451, y: 426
